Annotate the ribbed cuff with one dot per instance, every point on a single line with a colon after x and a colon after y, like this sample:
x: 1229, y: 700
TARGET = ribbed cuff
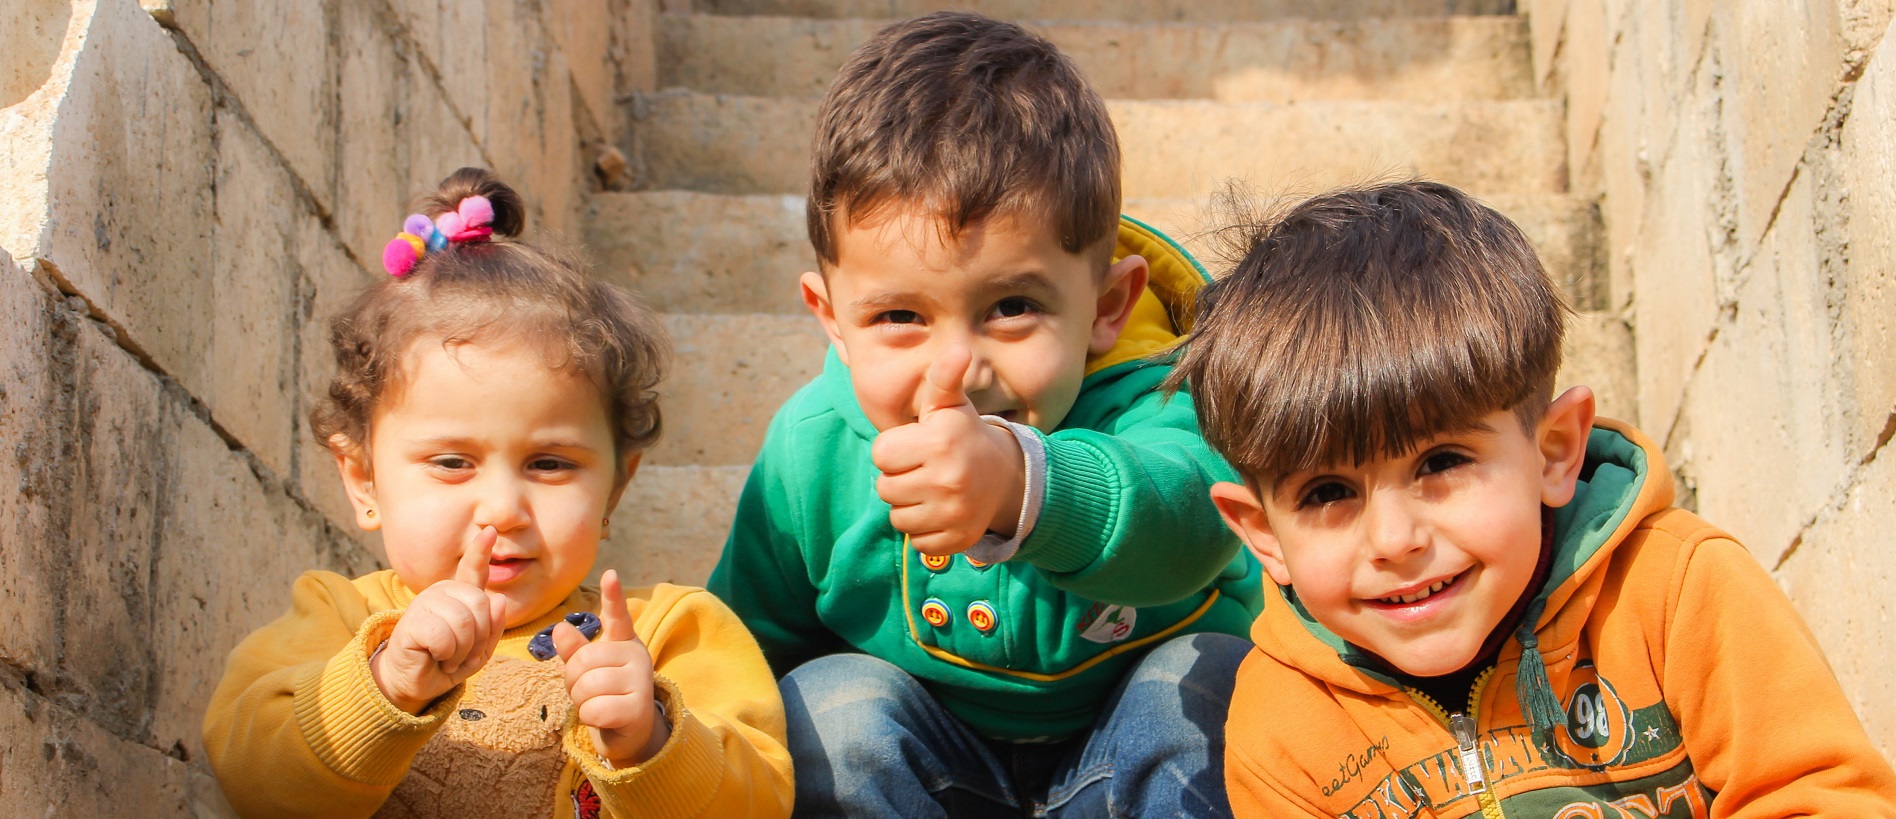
x: 351, y: 725
x: 1080, y: 510
x: 993, y: 548
x: 679, y: 780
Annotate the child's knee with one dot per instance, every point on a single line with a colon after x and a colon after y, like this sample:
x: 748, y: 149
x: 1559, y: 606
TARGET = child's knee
x: 1205, y: 662
x: 840, y: 693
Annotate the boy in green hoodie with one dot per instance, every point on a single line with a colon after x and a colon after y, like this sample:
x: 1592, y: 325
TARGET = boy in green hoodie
x: 978, y: 546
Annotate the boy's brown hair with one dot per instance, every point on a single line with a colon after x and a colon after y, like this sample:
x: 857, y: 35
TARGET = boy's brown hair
x: 1366, y: 320
x: 967, y: 117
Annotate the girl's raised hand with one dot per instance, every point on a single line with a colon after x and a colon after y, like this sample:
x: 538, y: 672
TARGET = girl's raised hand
x: 446, y: 635
x: 610, y: 682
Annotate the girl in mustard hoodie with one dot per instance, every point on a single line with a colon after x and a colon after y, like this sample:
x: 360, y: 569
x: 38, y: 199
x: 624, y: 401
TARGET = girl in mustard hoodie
x: 491, y: 405
x: 1484, y: 603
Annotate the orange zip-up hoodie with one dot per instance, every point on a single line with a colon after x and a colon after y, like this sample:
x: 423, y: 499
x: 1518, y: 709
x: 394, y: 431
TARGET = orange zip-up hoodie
x: 1663, y: 675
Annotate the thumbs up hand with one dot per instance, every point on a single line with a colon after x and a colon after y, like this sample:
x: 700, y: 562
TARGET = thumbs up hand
x: 446, y: 635
x: 949, y: 477
x: 610, y: 682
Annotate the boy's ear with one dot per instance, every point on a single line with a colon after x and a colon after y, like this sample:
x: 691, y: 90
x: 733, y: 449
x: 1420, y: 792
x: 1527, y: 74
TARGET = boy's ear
x: 1119, y: 292
x: 1244, y: 514
x: 816, y: 297
x: 358, y: 480
x: 628, y: 466
x: 1563, y: 432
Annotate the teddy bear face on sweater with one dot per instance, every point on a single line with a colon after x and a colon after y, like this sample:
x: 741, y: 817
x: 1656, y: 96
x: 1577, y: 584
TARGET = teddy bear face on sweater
x: 498, y: 754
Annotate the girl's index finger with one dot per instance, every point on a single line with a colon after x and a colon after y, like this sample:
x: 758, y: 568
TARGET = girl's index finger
x: 472, y: 569
x: 615, y: 620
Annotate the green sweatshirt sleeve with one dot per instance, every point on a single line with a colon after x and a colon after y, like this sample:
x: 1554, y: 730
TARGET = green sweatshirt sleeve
x: 763, y: 574
x: 1127, y: 518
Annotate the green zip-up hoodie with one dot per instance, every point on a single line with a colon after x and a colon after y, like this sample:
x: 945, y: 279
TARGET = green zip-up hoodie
x: 1127, y: 551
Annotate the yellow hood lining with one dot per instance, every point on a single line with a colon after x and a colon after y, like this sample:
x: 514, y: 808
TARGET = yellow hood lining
x: 1165, y: 311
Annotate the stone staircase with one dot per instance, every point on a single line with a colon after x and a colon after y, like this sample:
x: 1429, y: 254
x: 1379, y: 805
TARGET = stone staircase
x: 1291, y: 96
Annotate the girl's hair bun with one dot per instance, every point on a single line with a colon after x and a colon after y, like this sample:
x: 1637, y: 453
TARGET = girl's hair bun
x: 510, y: 217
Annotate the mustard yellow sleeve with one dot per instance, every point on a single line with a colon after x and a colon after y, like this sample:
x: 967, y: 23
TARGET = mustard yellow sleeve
x: 726, y: 755
x: 1767, y: 727
x: 297, y: 727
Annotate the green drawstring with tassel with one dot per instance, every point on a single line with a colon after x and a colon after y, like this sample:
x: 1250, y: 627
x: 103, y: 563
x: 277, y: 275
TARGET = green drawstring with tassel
x: 1531, y: 686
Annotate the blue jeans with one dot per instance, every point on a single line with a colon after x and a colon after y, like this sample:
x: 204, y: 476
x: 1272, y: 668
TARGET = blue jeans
x: 867, y: 740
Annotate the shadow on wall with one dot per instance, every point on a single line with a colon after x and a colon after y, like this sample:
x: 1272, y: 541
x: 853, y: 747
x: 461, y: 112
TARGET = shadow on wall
x: 35, y: 31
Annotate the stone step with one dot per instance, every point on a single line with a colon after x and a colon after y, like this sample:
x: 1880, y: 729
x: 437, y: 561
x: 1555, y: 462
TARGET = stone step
x: 1599, y: 354
x: 688, y: 252
x: 671, y: 524
x: 1417, y: 59
x: 1194, y: 11
x: 730, y: 373
x: 1172, y: 148
x: 1565, y: 230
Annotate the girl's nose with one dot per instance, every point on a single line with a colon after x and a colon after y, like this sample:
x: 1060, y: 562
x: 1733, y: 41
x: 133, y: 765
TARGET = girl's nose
x: 502, y: 505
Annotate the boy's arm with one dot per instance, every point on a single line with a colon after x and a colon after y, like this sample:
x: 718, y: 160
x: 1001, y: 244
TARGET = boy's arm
x: 1253, y: 762
x: 726, y: 754
x: 762, y: 575
x: 297, y: 726
x: 1765, y: 723
x: 1127, y: 517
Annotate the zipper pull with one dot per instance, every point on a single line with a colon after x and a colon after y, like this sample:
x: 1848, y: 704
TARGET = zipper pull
x: 1465, y: 735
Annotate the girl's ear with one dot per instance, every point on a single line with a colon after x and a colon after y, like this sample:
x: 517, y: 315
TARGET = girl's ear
x: 358, y: 480
x: 1119, y: 292
x: 1562, y: 437
x: 1244, y: 514
x: 628, y: 467
x: 816, y: 297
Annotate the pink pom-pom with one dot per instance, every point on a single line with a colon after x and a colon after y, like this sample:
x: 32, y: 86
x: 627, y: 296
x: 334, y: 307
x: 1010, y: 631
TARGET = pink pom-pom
x: 398, y: 257
x: 450, y: 223
x: 476, y: 211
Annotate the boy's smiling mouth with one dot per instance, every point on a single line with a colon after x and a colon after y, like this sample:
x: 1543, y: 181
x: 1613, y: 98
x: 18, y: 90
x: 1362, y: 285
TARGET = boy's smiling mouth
x: 1419, y: 593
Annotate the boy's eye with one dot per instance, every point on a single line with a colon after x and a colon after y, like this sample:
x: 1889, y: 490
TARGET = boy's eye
x: 1013, y: 306
x: 898, y: 317
x: 1325, y: 493
x: 1442, y: 462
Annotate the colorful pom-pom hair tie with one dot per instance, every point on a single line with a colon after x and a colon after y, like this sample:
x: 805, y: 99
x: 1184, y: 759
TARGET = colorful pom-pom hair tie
x: 471, y: 221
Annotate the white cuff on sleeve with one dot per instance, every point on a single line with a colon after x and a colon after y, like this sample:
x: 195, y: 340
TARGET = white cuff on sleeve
x: 992, y: 548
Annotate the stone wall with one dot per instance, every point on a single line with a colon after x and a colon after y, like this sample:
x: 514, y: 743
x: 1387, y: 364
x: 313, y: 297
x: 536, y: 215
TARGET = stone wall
x: 1740, y: 150
x: 187, y: 190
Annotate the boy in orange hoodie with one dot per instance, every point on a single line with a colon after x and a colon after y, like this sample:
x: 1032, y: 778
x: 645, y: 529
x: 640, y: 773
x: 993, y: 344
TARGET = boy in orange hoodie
x: 1484, y: 602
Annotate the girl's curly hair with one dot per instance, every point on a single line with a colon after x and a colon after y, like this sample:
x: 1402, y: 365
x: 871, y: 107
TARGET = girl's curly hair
x: 503, y: 286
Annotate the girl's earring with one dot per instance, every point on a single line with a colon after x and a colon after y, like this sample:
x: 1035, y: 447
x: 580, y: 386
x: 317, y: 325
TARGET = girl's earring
x: 371, y: 513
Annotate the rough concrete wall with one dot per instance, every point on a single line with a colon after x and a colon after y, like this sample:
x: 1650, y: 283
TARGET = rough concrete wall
x: 187, y: 191
x: 1740, y: 150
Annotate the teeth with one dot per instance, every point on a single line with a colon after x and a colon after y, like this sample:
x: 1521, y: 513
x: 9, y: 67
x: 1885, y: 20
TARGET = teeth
x: 1402, y: 599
